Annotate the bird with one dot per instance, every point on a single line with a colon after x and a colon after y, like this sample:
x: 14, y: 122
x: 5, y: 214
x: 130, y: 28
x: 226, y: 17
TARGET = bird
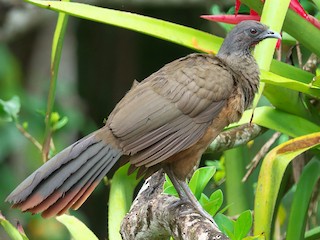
x: 164, y: 122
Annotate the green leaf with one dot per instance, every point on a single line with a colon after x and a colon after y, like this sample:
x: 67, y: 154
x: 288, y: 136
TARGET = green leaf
x: 197, y: 183
x: 170, y: 190
x: 289, y: 71
x: 12, y: 231
x: 200, y: 179
x: 225, y: 224
x: 288, y: 100
x: 121, y: 194
x: 212, y: 204
x: 77, y: 229
x: 9, y: 109
x: 285, y: 98
x: 172, y: 32
x: 224, y: 209
x: 168, y: 187
x: 220, y: 166
x: 299, y: 86
x: 60, y: 123
x: 58, y: 40
x: 236, y: 194
x: 302, y: 197
x: 258, y: 237
x: 316, y: 82
x: 279, y: 121
x: 313, y: 234
x: 243, y: 225
x: 271, y: 174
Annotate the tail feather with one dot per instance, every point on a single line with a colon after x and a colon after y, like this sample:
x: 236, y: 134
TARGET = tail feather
x: 77, y: 193
x: 70, y: 198
x: 67, y: 179
x: 28, y: 185
x: 82, y: 189
x: 50, y: 185
x: 76, y: 178
x: 92, y: 185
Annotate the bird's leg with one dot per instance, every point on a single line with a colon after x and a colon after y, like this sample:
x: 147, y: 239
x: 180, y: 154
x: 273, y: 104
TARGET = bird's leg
x: 186, y: 195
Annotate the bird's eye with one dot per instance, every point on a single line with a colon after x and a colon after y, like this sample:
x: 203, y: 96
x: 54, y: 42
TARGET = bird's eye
x: 253, y: 31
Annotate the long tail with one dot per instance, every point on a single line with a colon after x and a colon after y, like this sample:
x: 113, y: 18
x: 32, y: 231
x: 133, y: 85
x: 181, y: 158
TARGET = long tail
x: 66, y: 180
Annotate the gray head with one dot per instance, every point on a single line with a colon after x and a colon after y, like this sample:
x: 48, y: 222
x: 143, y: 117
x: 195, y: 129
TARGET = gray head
x: 244, y: 36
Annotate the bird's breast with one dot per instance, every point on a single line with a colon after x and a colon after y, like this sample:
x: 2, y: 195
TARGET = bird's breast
x: 184, y: 162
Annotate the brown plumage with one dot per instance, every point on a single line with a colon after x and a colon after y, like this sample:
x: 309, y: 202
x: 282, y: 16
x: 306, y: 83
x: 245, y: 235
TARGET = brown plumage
x: 166, y: 121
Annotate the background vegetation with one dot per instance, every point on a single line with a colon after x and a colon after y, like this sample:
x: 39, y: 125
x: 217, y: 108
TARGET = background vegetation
x: 98, y: 65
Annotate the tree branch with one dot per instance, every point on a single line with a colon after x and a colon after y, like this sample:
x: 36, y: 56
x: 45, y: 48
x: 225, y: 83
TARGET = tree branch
x: 155, y: 215
x: 235, y: 137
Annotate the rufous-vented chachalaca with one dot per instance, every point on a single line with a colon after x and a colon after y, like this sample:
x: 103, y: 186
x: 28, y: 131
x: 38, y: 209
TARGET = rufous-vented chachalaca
x: 166, y: 121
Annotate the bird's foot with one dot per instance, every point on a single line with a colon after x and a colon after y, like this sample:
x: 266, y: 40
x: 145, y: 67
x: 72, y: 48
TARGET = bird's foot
x: 186, y: 195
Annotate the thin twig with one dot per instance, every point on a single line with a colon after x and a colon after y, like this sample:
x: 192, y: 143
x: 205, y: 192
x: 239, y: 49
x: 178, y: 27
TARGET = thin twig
x: 289, y: 59
x: 29, y: 136
x: 312, y: 63
x: 297, y: 166
x: 299, y: 54
x: 314, y: 204
x: 255, y: 161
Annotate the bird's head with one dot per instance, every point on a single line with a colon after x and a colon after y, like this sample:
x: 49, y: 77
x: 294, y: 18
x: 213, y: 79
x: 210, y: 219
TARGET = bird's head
x: 244, y: 36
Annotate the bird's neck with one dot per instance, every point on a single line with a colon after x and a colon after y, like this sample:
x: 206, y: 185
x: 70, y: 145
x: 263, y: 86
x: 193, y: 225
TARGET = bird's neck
x: 246, y: 71
x: 240, y: 62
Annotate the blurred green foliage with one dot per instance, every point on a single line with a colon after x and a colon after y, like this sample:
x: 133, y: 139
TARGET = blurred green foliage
x: 289, y: 89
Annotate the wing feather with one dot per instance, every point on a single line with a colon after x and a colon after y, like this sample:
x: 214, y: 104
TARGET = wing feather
x: 172, y: 109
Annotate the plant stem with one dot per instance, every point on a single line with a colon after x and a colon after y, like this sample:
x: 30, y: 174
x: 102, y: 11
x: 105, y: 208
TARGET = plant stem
x: 29, y: 136
x: 55, y: 60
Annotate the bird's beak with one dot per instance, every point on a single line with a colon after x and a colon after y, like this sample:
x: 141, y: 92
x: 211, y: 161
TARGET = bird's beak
x: 269, y: 34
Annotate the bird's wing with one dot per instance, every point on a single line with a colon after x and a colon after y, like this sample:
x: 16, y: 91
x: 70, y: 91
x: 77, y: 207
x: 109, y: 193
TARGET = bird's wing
x: 172, y: 109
